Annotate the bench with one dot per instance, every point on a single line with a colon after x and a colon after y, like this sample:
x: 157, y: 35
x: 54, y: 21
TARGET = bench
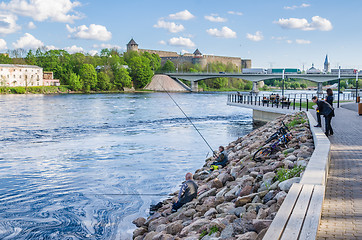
x: 299, y: 215
x: 285, y: 103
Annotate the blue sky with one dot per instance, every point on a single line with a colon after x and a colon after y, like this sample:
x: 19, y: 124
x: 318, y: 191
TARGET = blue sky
x: 270, y: 33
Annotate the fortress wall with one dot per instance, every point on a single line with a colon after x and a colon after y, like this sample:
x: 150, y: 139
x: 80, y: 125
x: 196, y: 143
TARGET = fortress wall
x: 225, y: 60
x: 161, y: 53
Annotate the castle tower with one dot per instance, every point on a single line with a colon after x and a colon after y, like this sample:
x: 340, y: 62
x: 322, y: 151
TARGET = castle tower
x: 326, y: 64
x: 132, y: 46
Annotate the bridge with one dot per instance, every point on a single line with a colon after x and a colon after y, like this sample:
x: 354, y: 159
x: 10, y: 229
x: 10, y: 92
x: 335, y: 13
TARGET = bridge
x: 319, y: 78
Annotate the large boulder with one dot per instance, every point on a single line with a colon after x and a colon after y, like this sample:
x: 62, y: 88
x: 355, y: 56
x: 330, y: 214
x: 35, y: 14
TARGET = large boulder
x: 174, y: 228
x: 139, y: 222
x: 287, y: 184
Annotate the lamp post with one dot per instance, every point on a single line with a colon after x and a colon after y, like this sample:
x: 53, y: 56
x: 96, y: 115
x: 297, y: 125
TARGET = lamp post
x: 339, y: 83
x: 283, y: 83
x: 356, y: 85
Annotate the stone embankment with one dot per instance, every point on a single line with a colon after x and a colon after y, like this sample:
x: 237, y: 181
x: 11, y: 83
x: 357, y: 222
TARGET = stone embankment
x: 241, y: 200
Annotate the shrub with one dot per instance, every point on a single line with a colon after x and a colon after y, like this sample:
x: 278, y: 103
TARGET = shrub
x: 285, y: 174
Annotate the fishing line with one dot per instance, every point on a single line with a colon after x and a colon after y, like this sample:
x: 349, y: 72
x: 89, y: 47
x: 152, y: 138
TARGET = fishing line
x: 131, y: 194
x: 187, y: 118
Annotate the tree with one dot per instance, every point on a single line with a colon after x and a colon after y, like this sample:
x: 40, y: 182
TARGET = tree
x: 248, y: 85
x: 88, y: 77
x: 303, y: 85
x: 30, y: 58
x: 155, y: 60
x: 122, y: 78
x: 5, y: 59
x: 74, y: 82
x: 103, y: 81
x: 140, y: 71
x: 168, y: 67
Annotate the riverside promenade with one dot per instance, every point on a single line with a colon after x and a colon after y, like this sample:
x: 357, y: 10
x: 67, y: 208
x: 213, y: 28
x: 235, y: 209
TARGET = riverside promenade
x: 342, y: 207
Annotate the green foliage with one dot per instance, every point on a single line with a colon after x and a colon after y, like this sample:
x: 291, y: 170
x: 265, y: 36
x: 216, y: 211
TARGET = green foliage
x: 88, y: 77
x: 203, y: 234
x: 213, y: 229
x: 248, y: 85
x: 74, y: 82
x: 168, y: 67
x: 285, y: 174
x: 296, y: 121
x: 5, y: 59
x: 122, y: 78
x: 140, y: 71
x: 30, y: 58
x: 103, y: 81
x: 18, y: 90
x: 303, y: 85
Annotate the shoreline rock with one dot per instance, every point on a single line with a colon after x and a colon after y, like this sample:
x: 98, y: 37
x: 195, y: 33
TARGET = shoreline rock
x: 241, y: 200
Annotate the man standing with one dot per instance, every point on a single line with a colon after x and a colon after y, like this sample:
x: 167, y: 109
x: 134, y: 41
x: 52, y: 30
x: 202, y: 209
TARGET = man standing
x: 187, y: 193
x: 327, y: 111
x: 329, y: 99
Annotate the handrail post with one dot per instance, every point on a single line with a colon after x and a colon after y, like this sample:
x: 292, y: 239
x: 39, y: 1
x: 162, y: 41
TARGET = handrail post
x: 307, y: 105
x: 300, y: 106
x: 259, y: 100
x: 294, y: 104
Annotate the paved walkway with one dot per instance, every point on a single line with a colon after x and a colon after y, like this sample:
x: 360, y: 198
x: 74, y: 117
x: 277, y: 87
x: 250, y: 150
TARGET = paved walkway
x: 342, y: 207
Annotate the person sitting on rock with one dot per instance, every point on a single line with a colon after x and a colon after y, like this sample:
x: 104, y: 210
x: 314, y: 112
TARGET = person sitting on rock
x: 186, y: 194
x: 221, y: 160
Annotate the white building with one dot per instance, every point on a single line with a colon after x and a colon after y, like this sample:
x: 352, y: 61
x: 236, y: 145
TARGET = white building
x: 13, y: 75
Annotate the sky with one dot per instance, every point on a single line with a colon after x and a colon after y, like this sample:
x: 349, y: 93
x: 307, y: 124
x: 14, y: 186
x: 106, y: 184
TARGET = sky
x: 275, y: 34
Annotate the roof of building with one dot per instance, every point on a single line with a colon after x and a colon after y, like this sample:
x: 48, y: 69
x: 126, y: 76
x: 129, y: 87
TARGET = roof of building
x: 132, y: 42
x: 197, y: 52
x: 19, y: 66
x: 326, y: 60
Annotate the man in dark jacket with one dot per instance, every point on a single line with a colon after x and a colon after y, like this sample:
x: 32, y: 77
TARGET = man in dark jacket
x: 221, y: 160
x: 329, y: 99
x: 327, y: 111
x: 186, y: 194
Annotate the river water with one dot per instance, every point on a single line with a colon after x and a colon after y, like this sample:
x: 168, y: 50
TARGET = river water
x: 84, y: 166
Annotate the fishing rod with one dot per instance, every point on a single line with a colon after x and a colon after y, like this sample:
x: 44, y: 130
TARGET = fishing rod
x: 187, y: 118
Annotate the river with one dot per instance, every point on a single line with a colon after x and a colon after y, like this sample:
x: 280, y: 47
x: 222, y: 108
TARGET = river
x: 84, y: 166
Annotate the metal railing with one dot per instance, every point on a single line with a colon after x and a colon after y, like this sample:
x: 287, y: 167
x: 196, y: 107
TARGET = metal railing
x: 284, y: 103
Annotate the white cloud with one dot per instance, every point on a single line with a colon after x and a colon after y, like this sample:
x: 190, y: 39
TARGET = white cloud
x: 258, y: 36
x: 41, y: 10
x: 93, y: 32
x: 28, y: 41
x: 162, y: 42
x: 317, y: 23
x: 3, y: 44
x: 31, y: 25
x: 74, y: 49
x: 170, y: 26
x: 51, y: 47
x: 235, y: 13
x: 289, y: 41
x: 181, y: 42
x: 183, y: 15
x: 303, y: 5
x: 278, y: 38
x: 215, y: 19
x: 225, y: 32
x: 106, y: 45
x: 93, y: 52
x: 183, y: 51
x: 8, y: 24
x: 302, y: 41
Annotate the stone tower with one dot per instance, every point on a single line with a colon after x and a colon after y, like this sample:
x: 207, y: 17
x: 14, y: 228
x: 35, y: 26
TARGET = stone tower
x: 132, y: 46
x: 326, y: 64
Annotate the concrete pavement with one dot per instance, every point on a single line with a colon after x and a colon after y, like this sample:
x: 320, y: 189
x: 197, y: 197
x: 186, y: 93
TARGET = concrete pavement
x: 342, y: 207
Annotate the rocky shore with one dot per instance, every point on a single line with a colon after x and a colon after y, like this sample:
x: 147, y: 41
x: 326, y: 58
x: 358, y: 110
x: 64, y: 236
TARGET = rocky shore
x: 241, y: 200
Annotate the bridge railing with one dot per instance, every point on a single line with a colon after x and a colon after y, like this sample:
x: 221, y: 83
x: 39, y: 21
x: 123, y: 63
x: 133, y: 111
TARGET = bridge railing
x: 284, y: 103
